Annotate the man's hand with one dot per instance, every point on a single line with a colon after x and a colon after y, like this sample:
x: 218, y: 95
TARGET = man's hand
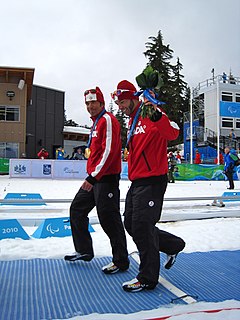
x: 148, y: 103
x: 87, y: 186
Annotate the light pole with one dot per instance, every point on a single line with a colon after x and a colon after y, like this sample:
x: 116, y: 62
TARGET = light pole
x: 191, y: 126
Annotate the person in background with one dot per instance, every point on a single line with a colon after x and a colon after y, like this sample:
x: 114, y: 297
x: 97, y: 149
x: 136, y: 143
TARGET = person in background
x: 231, y: 79
x: 224, y: 77
x: 43, y: 154
x: 197, y: 159
x: 178, y: 157
x: 229, y: 167
x: 221, y: 159
x: 77, y: 154
x: 147, y: 170
x: 60, y: 153
x: 101, y: 188
x: 171, y: 167
x: 232, y: 134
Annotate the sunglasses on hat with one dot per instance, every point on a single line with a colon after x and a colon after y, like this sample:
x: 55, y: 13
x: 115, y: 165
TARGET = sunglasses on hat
x: 118, y: 92
x: 90, y: 91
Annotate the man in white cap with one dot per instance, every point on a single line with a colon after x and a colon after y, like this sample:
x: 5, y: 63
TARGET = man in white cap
x: 100, y: 188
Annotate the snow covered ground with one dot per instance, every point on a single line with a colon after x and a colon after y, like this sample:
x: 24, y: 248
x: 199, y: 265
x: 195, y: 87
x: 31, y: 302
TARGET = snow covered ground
x: 199, y: 235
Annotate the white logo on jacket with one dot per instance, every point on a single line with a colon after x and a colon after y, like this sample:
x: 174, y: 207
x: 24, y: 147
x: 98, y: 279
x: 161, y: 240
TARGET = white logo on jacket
x: 94, y: 134
x: 139, y: 128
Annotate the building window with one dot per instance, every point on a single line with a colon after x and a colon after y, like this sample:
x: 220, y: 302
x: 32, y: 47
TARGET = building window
x: 8, y: 113
x: 237, y: 123
x: 237, y: 97
x: 227, y: 122
x: 9, y: 150
x: 227, y: 96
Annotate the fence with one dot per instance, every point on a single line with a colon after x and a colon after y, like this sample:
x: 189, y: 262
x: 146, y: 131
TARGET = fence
x: 68, y: 169
x: 60, y: 227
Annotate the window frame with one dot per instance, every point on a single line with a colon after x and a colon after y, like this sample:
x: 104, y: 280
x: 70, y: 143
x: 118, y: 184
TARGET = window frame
x: 237, y: 123
x: 14, y: 146
x: 227, y: 94
x: 227, y: 120
x: 7, y: 113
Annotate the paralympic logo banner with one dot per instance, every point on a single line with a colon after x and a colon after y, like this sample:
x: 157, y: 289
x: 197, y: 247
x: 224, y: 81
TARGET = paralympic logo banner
x: 55, y: 227
x: 229, y: 109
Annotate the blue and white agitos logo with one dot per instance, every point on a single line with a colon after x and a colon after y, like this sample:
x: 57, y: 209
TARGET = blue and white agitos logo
x: 229, y: 109
x: 51, y: 229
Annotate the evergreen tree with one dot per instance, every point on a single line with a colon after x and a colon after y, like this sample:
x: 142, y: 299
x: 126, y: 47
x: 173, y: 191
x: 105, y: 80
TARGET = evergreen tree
x: 70, y: 123
x: 159, y: 57
x: 123, y: 123
x: 111, y: 107
x: 174, y: 91
x: 179, y: 96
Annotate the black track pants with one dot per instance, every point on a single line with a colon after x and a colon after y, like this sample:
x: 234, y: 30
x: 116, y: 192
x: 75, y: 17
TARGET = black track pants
x: 229, y: 175
x: 105, y: 196
x: 142, y: 212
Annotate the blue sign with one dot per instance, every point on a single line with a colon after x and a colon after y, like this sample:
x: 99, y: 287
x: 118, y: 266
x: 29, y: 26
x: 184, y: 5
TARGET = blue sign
x: 47, y: 169
x: 55, y: 227
x: 230, y: 109
x: 28, y: 196
x: 124, y: 173
x: 231, y: 194
x: 12, y: 229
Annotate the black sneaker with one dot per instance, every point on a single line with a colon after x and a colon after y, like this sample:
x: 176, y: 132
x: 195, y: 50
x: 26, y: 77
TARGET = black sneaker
x: 112, y: 268
x: 135, y: 285
x: 78, y: 256
x: 171, y: 259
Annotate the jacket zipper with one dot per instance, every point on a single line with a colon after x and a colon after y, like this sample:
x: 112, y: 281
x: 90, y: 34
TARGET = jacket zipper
x: 144, y: 156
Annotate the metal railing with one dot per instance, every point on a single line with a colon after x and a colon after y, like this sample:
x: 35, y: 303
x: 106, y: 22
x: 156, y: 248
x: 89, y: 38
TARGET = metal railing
x: 44, y: 201
x: 212, y: 81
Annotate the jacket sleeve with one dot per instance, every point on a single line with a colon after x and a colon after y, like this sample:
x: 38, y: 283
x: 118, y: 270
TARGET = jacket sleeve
x: 229, y: 163
x: 168, y: 129
x: 104, y: 152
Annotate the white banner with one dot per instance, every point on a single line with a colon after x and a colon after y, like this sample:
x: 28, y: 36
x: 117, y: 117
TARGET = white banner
x: 80, y: 169
x: 20, y: 168
x: 48, y: 169
x: 42, y: 168
x: 63, y: 169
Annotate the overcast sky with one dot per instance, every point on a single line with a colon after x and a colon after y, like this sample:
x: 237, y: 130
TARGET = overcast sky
x: 77, y: 44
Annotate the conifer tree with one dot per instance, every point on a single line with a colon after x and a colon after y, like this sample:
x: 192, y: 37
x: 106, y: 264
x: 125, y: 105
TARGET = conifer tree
x: 123, y: 123
x: 174, y: 91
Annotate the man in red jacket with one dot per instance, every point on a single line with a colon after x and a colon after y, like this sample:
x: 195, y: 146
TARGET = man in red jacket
x: 43, y: 154
x: 147, y: 169
x: 100, y: 188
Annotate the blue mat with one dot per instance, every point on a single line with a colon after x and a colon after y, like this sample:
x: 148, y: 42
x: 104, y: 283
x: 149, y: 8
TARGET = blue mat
x: 54, y: 289
x: 210, y: 276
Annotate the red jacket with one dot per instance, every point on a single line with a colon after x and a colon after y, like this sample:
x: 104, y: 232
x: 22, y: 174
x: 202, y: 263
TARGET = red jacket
x: 148, y: 146
x: 42, y: 154
x: 105, y: 156
x: 197, y: 159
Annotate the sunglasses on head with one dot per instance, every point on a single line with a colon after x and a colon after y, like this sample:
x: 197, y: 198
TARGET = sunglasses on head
x: 118, y: 92
x: 90, y: 91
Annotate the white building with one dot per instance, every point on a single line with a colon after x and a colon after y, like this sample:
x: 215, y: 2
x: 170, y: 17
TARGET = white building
x: 73, y: 137
x: 215, y: 113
